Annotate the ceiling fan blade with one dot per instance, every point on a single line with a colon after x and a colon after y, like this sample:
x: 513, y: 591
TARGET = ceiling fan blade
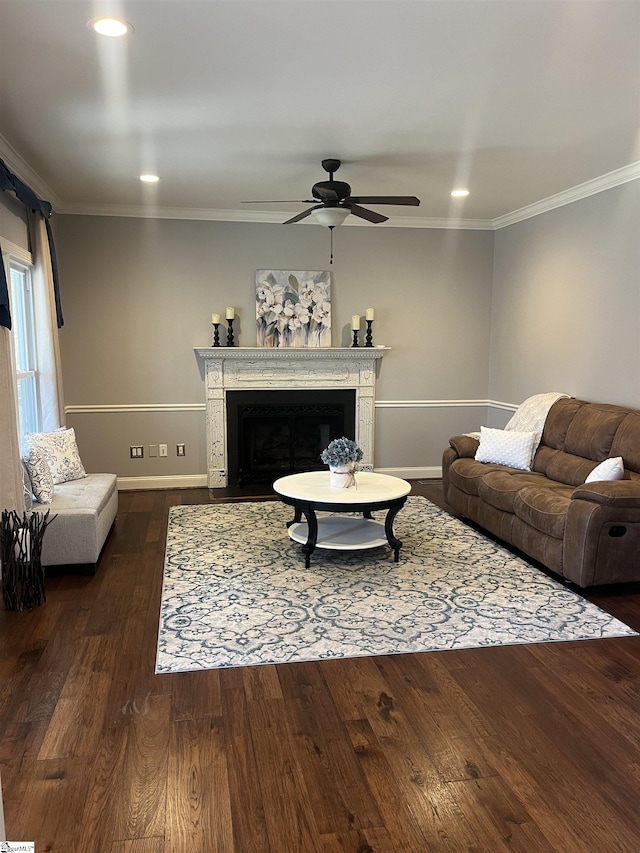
x: 363, y: 213
x: 302, y: 215
x: 281, y: 201
x: 386, y: 199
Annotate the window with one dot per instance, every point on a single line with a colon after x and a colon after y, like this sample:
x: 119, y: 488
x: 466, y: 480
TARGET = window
x: 24, y: 347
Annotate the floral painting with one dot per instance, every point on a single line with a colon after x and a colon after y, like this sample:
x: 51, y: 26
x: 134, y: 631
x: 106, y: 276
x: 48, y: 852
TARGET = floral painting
x: 293, y: 308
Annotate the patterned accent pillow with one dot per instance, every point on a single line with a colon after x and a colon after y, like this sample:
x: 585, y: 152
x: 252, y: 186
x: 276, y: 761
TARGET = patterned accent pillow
x: 60, y: 450
x: 610, y: 469
x: 27, y: 489
x: 40, y: 475
x: 507, y: 447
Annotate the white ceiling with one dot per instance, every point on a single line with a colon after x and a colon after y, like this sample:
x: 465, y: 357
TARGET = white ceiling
x: 231, y: 100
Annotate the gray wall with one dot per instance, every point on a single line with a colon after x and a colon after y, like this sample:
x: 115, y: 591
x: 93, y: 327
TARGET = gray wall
x: 138, y: 296
x: 550, y: 303
x: 566, y: 302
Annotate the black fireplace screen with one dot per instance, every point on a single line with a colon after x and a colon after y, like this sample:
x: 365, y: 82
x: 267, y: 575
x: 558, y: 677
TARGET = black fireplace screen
x: 274, y: 433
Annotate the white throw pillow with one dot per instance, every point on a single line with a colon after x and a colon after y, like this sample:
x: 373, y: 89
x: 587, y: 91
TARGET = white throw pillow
x: 507, y: 447
x: 60, y: 450
x: 610, y: 469
x: 40, y: 476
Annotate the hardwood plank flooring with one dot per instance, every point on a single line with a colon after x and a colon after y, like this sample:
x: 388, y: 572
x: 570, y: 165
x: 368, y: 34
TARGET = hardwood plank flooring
x: 522, y: 748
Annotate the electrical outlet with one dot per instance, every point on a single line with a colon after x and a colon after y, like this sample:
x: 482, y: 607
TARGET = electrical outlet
x: 153, y: 450
x: 163, y: 449
x: 136, y: 451
x: 180, y: 450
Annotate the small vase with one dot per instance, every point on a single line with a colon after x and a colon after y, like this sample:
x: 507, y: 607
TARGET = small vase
x: 342, y: 476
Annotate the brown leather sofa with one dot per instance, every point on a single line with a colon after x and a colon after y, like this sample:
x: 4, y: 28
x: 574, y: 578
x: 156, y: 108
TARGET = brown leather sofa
x: 589, y: 533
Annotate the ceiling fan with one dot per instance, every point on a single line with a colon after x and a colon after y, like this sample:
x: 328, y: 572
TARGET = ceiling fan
x: 332, y: 201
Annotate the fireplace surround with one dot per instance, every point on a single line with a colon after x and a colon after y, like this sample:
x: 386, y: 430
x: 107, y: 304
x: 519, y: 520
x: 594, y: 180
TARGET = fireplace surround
x: 249, y: 368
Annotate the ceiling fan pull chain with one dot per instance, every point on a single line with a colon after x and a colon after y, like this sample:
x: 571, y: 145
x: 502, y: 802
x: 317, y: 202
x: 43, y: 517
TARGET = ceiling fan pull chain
x: 331, y: 243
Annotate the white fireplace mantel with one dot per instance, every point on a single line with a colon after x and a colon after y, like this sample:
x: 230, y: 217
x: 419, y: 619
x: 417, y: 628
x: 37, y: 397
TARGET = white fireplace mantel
x: 236, y: 368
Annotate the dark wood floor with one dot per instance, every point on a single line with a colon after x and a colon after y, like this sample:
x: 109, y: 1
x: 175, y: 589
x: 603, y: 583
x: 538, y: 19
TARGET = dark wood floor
x: 521, y: 748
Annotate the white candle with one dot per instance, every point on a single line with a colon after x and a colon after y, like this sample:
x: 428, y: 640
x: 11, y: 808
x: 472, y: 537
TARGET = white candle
x: 215, y: 318
x: 369, y: 314
x: 231, y: 314
x: 23, y: 544
x: 355, y: 322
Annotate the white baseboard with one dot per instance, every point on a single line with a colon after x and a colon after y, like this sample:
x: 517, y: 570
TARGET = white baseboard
x: 192, y: 481
x: 179, y: 481
x: 433, y: 472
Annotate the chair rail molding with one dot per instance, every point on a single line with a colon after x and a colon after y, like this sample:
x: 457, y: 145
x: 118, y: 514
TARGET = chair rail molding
x: 130, y: 408
x: 126, y: 408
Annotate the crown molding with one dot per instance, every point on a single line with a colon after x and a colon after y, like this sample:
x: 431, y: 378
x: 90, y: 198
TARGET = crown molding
x: 588, y: 188
x: 136, y: 211
x: 269, y: 217
x: 631, y: 172
x: 31, y: 178
x: 19, y: 165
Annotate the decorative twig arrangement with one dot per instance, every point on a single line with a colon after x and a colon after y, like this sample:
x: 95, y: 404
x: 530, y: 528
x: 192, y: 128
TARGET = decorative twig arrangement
x: 20, y: 552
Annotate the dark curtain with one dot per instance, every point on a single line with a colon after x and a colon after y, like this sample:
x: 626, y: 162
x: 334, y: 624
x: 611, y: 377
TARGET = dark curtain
x: 11, y: 182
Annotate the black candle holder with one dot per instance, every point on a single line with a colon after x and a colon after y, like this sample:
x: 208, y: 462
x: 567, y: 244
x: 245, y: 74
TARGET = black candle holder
x: 230, y: 341
x: 216, y: 335
x: 355, y: 338
x: 369, y: 339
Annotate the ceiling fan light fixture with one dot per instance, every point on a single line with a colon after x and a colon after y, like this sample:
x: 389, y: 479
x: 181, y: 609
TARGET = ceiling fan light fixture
x: 459, y: 193
x: 331, y: 216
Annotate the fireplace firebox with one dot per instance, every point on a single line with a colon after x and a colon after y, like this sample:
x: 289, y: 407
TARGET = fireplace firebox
x: 274, y: 433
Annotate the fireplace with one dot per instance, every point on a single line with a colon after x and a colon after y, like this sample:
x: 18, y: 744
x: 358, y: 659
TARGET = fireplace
x: 232, y: 369
x: 274, y: 433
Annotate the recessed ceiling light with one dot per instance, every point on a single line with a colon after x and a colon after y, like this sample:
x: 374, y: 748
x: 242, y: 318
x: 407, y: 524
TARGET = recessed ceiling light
x: 459, y: 193
x: 111, y: 27
x: 150, y: 179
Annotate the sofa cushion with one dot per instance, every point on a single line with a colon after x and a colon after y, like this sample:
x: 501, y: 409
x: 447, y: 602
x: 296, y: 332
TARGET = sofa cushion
x: 499, y: 488
x: 84, y: 511
x: 592, y: 431
x: 558, y: 421
x: 466, y: 474
x: 568, y: 469
x: 543, y: 457
x: 507, y: 447
x: 627, y: 442
x: 543, y: 508
x: 89, y: 494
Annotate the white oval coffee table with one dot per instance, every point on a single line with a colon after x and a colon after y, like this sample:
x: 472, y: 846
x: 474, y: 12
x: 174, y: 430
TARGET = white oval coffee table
x: 310, y: 493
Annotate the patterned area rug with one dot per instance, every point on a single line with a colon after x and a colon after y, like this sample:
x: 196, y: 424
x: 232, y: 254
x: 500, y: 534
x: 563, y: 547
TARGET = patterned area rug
x: 236, y: 592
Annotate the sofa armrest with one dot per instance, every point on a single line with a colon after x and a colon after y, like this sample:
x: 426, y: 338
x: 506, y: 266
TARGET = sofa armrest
x: 464, y: 445
x: 613, y: 493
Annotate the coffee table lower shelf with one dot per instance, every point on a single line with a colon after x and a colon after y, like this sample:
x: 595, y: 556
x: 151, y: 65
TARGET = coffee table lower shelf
x: 342, y: 533
x: 345, y: 520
